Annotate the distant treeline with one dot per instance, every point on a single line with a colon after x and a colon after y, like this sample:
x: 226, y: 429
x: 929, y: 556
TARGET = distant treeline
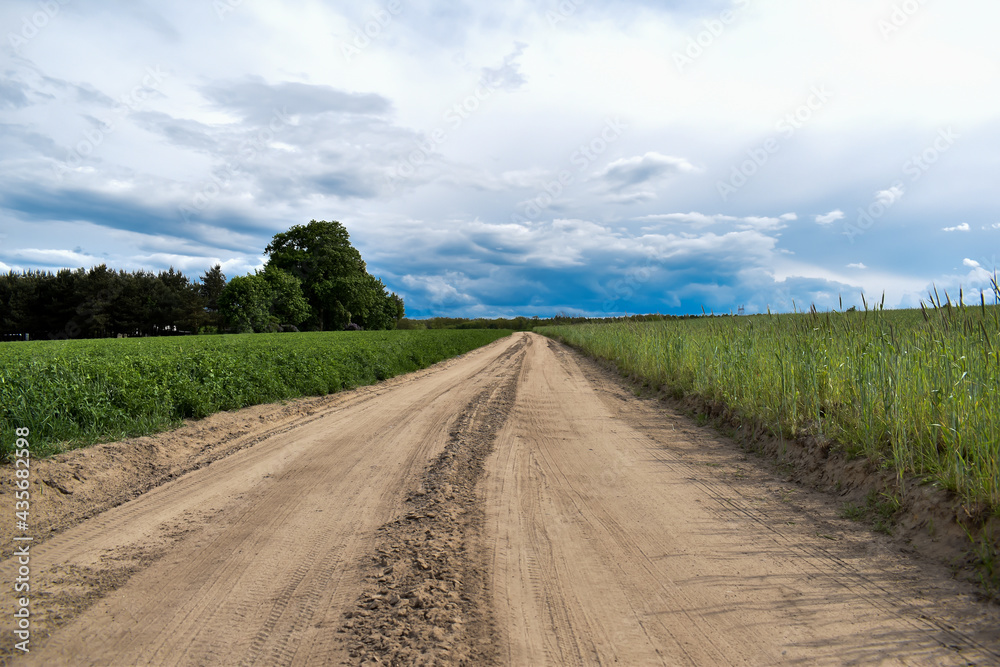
x: 102, y: 303
x: 314, y: 280
x: 524, y: 323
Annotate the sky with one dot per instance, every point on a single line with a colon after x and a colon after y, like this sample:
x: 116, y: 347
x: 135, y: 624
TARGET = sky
x: 581, y: 157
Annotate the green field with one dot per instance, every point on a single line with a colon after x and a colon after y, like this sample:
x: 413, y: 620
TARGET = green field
x: 915, y: 390
x: 73, y: 393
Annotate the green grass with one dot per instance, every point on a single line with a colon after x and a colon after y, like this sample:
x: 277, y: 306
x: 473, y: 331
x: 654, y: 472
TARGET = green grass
x: 916, y: 390
x: 74, y: 393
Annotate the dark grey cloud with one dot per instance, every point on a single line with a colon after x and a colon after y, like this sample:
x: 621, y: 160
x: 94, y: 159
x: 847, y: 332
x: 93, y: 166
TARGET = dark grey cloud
x: 130, y: 212
x: 639, y: 170
x: 12, y: 94
x: 25, y: 85
x: 71, y: 92
x: 21, y: 142
x: 257, y: 100
x: 178, y: 131
x: 576, y: 266
x: 345, y: 184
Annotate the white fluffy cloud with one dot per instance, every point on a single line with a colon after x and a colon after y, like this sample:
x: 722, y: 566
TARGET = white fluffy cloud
x: 890, y: 196
x: 830, y: 217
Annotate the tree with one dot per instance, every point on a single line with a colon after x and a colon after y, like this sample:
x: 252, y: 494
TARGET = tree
x: 177, y: 304
x: 245, y: 304
x: 335, y: 280
x: 321, y: 256
x: 96, y: 298
x: 288, y: 305
x: 267, y: 301
x: 212, y: 284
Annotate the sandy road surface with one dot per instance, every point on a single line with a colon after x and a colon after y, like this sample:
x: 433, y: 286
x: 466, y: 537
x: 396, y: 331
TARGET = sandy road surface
x: 514, y: 506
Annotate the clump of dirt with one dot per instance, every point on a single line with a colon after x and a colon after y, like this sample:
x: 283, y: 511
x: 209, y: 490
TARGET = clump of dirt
x: 425, y: 600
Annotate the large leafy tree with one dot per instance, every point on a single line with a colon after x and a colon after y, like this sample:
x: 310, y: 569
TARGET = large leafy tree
x: 288, y: 305
x: 267, y: 301
x: 335, y: 280
x: 245, y: 304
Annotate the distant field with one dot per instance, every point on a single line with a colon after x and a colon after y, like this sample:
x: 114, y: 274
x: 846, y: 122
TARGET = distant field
x: 916, y: 390
x: 71, y: 393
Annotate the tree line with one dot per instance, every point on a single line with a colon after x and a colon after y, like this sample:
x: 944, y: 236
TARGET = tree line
x: 522, y: 323
x: 314, y: 280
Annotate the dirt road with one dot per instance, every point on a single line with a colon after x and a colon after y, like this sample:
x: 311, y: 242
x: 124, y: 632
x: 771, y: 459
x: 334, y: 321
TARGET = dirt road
x: 514, y: 506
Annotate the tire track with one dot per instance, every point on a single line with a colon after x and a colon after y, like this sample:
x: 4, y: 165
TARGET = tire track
x: 424, y: 598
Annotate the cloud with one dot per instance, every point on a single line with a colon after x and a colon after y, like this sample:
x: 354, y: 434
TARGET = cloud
x: 55, y: 258
x: 132, y: 209
x: 508, y: 75
x: 760, y: 223
x: 890, y: 196
x: 830, y: 217
x: 693, y: 218
x: 577, y: 265
x: 631, y: 197
x: 765, y: 222
x: 12, y: 94
x: 178, y: 131
x: 258, y: 100
x: 971, y: 263
x: 858, y: 265
x: 651, y: 167
x: 440, y: 290
x: 964, y: 227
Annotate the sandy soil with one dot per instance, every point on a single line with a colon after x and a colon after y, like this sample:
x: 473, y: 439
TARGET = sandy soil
x: 514, y: 506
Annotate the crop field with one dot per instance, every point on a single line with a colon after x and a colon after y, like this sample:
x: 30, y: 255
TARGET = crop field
x: 72, y: 393
x: 918, y: 390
